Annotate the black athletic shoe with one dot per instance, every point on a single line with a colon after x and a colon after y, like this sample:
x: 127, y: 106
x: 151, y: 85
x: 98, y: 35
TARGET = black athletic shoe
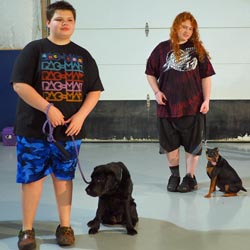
x: 188, y: 184
x: 173, y: 183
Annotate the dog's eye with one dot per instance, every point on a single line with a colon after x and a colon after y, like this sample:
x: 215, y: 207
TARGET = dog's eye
x: 101, y: 179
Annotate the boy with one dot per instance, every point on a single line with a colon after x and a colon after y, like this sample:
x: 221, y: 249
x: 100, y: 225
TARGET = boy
x: 58, y: 84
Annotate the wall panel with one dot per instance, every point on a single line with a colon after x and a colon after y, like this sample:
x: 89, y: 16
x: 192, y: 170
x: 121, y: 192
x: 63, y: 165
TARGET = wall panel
x: 115, y: 36
x: 114, y: 32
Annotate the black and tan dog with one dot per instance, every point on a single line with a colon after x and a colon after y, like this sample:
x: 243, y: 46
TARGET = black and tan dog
x: 222, y: 175
x: 113, y: 185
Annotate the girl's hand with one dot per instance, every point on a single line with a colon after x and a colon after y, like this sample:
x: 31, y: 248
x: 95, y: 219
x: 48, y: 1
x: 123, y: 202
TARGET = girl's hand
x: 204, y: 107
x: 160, y: 98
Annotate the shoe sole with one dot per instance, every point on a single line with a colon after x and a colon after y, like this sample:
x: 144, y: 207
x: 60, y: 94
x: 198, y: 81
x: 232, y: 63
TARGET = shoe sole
x: 172, y: 191
x: 187, y: 191
x: 30, y: 246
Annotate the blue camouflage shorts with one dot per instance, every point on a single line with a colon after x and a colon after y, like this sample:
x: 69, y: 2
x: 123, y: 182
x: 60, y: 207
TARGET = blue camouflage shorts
x: 38, y: 158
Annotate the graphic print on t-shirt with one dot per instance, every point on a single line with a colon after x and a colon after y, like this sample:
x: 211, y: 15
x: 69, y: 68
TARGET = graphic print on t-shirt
x: 62, y: 77
x: 187, y: 61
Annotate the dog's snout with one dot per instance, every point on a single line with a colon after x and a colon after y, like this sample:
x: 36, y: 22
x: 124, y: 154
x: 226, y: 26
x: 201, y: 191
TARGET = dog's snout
x: 90, y: 191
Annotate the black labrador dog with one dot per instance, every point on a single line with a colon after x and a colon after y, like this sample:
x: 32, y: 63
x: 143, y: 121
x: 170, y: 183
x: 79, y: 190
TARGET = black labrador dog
x: 113, y: 185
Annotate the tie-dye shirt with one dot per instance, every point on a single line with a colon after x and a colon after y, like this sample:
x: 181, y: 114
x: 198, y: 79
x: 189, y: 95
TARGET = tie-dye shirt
x: 180, y: 81
x: 62, y: 74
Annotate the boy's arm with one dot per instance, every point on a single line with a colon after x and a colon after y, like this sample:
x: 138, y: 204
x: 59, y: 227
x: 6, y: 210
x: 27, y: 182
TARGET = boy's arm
x: 29, y: 95
x: 76, y: 121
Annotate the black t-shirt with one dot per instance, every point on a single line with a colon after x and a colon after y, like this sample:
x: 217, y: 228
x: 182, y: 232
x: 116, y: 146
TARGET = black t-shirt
x: 180, y: 81
x: 62, y: 74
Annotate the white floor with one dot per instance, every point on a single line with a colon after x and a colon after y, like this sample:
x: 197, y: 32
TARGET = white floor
x: 167, y: 220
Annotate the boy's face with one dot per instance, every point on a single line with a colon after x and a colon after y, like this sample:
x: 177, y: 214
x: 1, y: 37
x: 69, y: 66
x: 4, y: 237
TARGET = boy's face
x: 185, y: 31
x: 61, y: 25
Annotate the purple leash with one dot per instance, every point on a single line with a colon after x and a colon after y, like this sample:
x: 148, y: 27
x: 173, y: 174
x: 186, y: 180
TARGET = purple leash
x: 50, y: 138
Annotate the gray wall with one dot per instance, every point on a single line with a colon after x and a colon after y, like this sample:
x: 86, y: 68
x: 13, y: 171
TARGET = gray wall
x: 136, y: 121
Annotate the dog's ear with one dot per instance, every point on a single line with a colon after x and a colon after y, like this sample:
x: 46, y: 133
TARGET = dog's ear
x: 97, y: 170
x: 116, y: 169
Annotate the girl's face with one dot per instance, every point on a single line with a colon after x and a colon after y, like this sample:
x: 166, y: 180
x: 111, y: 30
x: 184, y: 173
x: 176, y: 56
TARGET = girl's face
x: 185, y: 31
x: 62, y: 26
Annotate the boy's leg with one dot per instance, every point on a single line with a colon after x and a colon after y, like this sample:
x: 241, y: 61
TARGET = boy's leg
x: 63, y: 193
x: 62, y: 176
x: 31, y: 173
x: 31, y: 194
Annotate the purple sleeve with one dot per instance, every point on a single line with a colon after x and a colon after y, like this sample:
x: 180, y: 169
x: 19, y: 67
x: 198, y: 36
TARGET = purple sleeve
x: 153, y: 66
x: 206, y: 68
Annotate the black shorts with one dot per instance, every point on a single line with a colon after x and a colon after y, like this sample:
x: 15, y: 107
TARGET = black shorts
x: 186, y: 131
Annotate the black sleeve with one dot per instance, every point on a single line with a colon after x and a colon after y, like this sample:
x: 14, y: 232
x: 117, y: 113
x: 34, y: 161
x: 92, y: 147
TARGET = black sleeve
x: 92, y: 77
x: 25, y: 65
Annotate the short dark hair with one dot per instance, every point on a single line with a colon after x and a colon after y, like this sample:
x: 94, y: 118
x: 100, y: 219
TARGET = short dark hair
x: 59, y: 5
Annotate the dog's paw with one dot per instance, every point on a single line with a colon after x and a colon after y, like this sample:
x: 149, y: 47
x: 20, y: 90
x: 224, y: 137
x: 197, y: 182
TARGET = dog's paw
x: 131, y: 231
x: 94, y: 223
x: 93, y: 230
x: 207, y: 196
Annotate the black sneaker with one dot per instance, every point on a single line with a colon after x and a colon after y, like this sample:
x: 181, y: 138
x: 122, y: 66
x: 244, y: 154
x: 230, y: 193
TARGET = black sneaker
x: 173, y: 183
x: 188, y: 184
x: 26, y: 240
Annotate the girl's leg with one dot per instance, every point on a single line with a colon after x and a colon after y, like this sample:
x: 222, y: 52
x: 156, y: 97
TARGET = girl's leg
x: 173, y: 157
x: 191, y: 163
x: 189, y: 182
x: 173, y: 162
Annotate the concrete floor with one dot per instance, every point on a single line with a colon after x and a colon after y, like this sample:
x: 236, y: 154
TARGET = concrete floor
x: 167, y: 220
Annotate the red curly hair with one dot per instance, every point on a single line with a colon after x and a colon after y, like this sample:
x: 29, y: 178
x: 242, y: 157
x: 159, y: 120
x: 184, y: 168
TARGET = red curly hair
x: 195, y: 38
